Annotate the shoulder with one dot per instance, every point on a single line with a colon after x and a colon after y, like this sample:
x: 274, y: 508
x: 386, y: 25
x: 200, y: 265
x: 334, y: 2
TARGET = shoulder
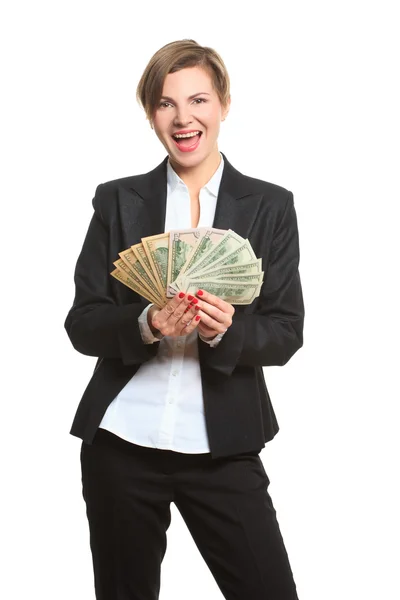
x: 270, y: 191
x: 108, y: 193
x: 273, y: 196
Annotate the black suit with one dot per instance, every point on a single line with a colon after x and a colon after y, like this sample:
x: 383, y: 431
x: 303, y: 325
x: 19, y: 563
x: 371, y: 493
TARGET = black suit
x: 103, y: 320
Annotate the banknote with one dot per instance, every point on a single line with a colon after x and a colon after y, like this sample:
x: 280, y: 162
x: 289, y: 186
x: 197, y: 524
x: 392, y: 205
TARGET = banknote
x: 241, y: 255
x: 229, y: 242
x: 217, y: 260
x: 234, y: 293
x: 136, y: 270
x: 130, y: 283
x: 126, y: 270
x: 240, y: 269
x: 156, y: 248
x: 211, y: 238
x: 181, y: 244
x: 256, y: 278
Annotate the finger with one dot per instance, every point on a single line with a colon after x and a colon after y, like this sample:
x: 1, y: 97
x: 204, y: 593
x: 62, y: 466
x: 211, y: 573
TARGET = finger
x: 224, y: 318
x: 206, y: 331
x: 180, y: 310
x: 160, y: 319
x: 193, y: 302
x: 190, y: 312
x: 215, y: 301
x: 191, y: 326
x: 212, y: 323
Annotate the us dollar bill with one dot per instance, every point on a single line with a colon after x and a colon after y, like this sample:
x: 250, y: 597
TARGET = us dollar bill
x: 126, y: 270
x: 229, y: 242
x: 208, y: 241
x: 181, y: 244
x: 234, y: 293
x: 241, y: 269
x: 137, y: 270
x: 256, y: 278
x: 239, y: 256
x: 156, y: 248
x: 124, y: 278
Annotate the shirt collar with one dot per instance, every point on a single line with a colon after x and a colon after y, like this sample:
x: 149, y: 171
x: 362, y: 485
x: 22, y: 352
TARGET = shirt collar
x: 173, y: 179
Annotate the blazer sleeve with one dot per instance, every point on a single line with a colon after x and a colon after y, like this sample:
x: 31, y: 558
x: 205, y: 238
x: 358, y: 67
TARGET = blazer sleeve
x: 96, y: 324
x: 274, y: 332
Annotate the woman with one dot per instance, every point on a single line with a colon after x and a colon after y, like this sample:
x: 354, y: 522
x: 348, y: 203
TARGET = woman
x: 177, y: 409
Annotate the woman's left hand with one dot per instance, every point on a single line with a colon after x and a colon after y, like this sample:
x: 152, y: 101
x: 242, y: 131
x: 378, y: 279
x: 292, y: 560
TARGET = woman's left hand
x: 216, y: 314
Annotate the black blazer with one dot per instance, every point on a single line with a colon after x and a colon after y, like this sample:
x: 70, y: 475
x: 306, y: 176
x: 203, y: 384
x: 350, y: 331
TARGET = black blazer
x: 103, y: 320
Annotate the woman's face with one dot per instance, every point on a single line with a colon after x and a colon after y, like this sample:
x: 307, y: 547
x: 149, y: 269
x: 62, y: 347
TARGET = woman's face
x: 189, y: 103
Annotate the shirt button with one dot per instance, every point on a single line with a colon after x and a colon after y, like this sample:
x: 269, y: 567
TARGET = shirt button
x: 174, y: 373
x: 170, y: 400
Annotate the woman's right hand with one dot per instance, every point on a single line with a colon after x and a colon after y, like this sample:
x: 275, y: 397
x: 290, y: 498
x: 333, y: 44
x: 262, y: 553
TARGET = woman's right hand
x: 177, y: 318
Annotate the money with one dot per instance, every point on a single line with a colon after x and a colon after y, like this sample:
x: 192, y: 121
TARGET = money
x: 208, y: 241
x: 216, y: 260
x: 240, y: 269
x: 181, y: 245
x: 136, y: 271
x: 156, y: 248
x: 232, y: 292
x: 124, y: 278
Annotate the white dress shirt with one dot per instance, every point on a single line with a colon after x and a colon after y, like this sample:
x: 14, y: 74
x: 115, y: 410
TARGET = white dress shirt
x: 162, y: 405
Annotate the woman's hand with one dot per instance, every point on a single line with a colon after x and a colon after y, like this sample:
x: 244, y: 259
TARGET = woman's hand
x: 216, y: 314
x: 177, y: 318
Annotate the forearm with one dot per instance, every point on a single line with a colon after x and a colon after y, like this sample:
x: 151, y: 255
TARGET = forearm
x: 255, y: 340
x: 109, y: 331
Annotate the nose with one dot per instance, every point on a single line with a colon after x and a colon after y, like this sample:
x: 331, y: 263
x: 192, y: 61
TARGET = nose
x: 183, y: 117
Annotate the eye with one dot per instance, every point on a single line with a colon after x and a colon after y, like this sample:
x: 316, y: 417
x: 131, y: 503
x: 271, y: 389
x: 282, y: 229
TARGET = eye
x: 162, y: 104
x: 200, y: 99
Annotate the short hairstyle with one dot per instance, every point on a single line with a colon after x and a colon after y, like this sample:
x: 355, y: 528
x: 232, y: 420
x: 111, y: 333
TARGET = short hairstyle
x: 176, y: 56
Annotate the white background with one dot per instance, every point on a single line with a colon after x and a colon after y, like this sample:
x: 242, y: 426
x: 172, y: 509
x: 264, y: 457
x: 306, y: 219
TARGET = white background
x: 315, y: 108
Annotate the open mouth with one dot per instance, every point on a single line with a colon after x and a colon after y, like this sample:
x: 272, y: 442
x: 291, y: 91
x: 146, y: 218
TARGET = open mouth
x: 186, y: 142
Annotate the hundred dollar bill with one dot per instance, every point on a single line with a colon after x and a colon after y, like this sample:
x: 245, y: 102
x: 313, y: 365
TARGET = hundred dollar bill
x: 240, y: 269
x: 156, y: 248
x: 208, y: 241
x: 230, y: 242
x: 141, y: 255
x: 130, y: 283
x: 136, y: 268
x: 234, y: 293
x: 126, y: 270
x: 256, y: 278
x: 181, y: 244
x: 239, y: 256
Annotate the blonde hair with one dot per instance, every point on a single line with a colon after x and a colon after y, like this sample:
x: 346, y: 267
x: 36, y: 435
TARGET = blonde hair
x: 176, y: 56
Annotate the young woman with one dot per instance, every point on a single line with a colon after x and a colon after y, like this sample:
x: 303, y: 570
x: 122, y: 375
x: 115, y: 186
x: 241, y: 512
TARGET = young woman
x: 177, y: 409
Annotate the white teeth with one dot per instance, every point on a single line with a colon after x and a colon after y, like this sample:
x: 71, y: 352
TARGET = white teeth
x: 186, y: 135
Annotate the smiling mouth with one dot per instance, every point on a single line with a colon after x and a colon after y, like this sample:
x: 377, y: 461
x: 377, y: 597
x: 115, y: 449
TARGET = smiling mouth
x: 187, y: 141
x: 186, y: 136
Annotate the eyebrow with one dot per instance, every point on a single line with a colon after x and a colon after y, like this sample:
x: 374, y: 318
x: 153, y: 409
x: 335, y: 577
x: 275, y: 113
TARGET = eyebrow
x: 190, y: 97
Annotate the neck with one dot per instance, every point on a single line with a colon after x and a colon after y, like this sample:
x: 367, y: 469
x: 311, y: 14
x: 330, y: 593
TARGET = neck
x: 197, y: 177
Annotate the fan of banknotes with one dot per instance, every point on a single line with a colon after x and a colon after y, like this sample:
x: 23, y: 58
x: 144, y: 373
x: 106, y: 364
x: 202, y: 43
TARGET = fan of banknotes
x: 216, y: 260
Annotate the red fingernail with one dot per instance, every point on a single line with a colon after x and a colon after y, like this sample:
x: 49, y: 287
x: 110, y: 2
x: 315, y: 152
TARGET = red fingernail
x: 194, y: 301
x: 197, y: 308
x: 198, y: 318
x: 181, y: 295
x: 200, y: 292
x: 190, y: 298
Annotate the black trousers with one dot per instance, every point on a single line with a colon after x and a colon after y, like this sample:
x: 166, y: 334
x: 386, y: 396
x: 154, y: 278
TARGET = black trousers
x: 224, y: 502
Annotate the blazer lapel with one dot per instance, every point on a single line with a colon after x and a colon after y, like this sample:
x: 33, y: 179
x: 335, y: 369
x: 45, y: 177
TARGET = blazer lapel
x: 238, y: 203
x: 142, y: 205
